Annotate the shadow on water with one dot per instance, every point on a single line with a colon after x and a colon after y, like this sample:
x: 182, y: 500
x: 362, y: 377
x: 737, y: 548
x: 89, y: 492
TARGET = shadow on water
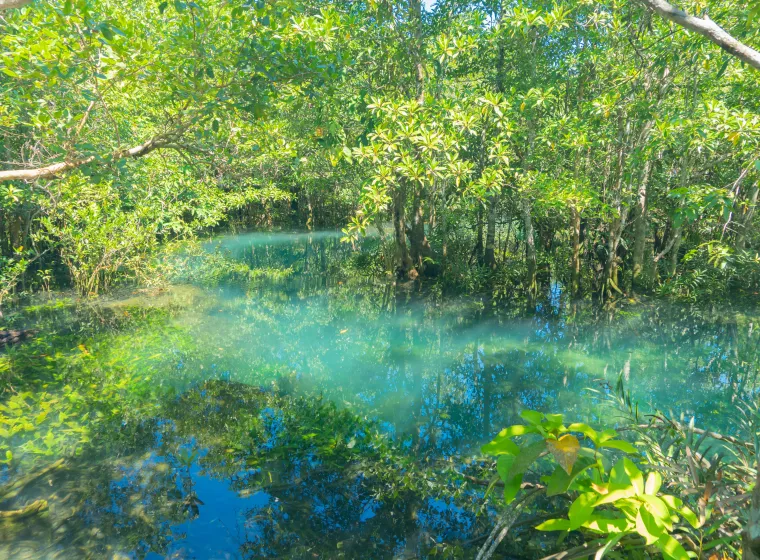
x: 318, y: 413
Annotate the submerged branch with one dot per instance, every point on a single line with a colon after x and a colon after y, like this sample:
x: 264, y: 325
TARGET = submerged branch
x: 27, y: 511
x: 662, y: 424
x: 505, y: 524
x: 12, y: 489
x: 484, y: 482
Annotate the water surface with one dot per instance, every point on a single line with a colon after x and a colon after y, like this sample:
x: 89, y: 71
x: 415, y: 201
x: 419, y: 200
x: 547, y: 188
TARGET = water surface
x: 274, y: 407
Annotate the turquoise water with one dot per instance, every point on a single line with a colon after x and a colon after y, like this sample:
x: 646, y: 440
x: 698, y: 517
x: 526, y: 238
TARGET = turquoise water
x: 281, y: 327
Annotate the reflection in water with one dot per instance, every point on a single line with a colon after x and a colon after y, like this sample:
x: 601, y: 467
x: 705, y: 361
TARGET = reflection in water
x: 311, y: 414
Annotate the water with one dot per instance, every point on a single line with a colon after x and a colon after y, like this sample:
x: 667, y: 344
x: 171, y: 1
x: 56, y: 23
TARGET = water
x: 293, y: 403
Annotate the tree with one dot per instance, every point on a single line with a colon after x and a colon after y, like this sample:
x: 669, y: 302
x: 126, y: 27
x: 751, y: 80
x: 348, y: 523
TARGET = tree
x: 707, y: 28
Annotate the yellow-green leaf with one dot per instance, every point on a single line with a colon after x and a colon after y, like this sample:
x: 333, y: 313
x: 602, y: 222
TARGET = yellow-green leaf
x: 565, y: 451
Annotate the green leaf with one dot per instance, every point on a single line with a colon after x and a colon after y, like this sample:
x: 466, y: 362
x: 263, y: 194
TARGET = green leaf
x: 503, y: 465
x: 554, y: 421
x: 620, y: 445
x: 560, y: 481
x: 554, y: 525
x: 503, y: 443
x: 647, y: 527
x: 608, y: 525
x: 500, y: 446
x: 533, y: 417
x: 581, y: 509
x: 660, y: 512
x: 671, y: 548
x: 585, y: 429
x: 512, y: 487
x: 609, y: 545
x: 676, y: 504
x: 525, y: 458
x: 617, y: 492
x: 653, y: 483
x: 633, y: 472
x: 105, y: 29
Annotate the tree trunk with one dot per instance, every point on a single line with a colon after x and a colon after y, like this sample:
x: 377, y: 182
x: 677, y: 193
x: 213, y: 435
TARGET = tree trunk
x: 419, y: 69
x: 444, y: 228
x: 8, y: 4
x: 575, y: 263
x: 490, y: 255
x: 506, y: 241
x: 403, y: 261
x: 609, y: 264
x: 15, y: 232
x: 420, y: 247
x: 675, y: 248
x: 478, y: 251
x: 640, y: 226
x: 745, y: 220
x: 531, y: 285
x: 610, y: 278
x: 611, y: 283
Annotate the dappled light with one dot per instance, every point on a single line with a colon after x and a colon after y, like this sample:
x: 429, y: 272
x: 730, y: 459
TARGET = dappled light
x: 379, y: 279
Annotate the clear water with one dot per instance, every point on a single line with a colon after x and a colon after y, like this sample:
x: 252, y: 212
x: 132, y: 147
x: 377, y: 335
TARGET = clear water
x: 435, y: 375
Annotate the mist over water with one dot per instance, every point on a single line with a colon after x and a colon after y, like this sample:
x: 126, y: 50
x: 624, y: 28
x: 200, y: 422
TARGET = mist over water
x: 405, y: 357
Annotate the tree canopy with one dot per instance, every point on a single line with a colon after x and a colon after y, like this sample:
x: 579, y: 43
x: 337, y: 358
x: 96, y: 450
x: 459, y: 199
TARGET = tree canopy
x: 601, y: 143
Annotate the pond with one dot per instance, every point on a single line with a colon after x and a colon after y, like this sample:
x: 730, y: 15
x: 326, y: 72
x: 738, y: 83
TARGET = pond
x: 288, y: 401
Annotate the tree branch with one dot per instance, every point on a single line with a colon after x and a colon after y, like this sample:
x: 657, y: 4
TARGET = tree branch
x: 707, y: 28
x: 8, y: 4
x: 56, y: 169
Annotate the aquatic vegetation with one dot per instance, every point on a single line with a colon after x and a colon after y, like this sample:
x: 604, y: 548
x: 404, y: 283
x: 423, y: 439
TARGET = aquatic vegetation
x: 273, y: 273
x: 614, y: 503
x: 328, y: 412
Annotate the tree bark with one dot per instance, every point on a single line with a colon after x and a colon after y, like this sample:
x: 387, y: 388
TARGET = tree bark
x: 640, y: 226
x: 677, y: 231
x: 478, y: 251
x: 8, y: 4
x: 611, y: 265
x: 575, y: 263
x: 403, y: 261
x: 55, y: 169
x: 419, y: 69
x: 674, y: 249
x: 420, y: 247
x: 531, y: 285
x: 745, y: 219
x: 490, y: 255
x: 707, y: 28
x: 610, y: 279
